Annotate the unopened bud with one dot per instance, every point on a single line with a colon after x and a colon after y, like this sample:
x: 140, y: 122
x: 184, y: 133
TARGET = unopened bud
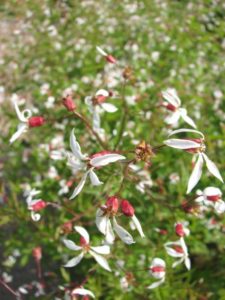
x: 36, y: 121
x: 110, y: 59
x: 127, y: 208
x: 113, y: 204
x: 179, y: 229
x: 38, y: 205
x: 37, y: 253
x: 69, y: 103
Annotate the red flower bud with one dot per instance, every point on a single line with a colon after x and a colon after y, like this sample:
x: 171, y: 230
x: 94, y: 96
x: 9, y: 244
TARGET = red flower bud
x: 37, y: 253
x: 69, y: 103
x: 36, y: 121
x: 110, y: 59
x: 38, y: 205
x: 67, y: 227
x: 179, y: 229
x: 127, y: 208
x: 113, y: 204
x: 213, y: 198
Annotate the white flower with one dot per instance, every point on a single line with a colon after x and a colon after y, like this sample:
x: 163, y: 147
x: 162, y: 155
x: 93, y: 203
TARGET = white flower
x: 173, y: 105
x: 158, y: 271
x: 103, y: 221
x: 79, y: 161
x: 211, y: 197
x: 35, y: 205
x: 197, y: 147
x: 23, y: 118
x: 85, y: 248
x: 179, y: 250
x: 83, y: 292
x: 97, y: 102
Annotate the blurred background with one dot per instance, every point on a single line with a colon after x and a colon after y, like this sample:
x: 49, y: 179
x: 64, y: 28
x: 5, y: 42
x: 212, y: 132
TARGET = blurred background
x: 49, y: 47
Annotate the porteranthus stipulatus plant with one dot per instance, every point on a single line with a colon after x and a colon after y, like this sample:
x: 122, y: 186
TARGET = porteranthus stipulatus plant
x: 111, y: 188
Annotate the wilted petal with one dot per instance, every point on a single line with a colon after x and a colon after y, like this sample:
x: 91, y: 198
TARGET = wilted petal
x: 83, y: 232
x: 74, y: 261
x: 196, y: 174
x: 212, y: 168
x: 138, y: 226
x: 94, y: 178
x: 181, y: 144
x: 22, y: 116
x: 71, y: 245
x: 80, y: 186
x: 186, y: 118
x: 124, y: 235
x: 20, y: 130
x: 102, y: 249
x: 75, y: 147
x: 109, y: 107
x: 100, y: 260
x: 35, y: 217
x: 82, y: 292
x: 106, y: 159
x: 156, y: 284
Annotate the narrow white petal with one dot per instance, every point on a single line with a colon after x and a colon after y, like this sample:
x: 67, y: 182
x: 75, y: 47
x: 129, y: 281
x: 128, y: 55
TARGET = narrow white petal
x: 80, y: 186
x: 186, y: 118
x: 178, y: 262
x: 109, y: 107
x: 74, y: 261
x: 187, y: 130
x: 83, y: 292
x: 138, y: 226
x: 124, y: 235
x: 71, y: 245
x: 110, y: 237
x: 156, y: 284
x: 102, y: 92
x: 20, y: 130
x: 212, y: 168
x: 196, y: 174
x: 102, y: 249
x: 94, y: 178
x: 101, y: 51
x: 171, y: 96
x: 83, y: 232
x: 75, y: 147
x: 172, y: 118
x: 101, y: 221
x: 96, y: 122
x: 89, y: 103
x: 106, y: 159
x: 187, y: 263
x: 100, y: 260
x: 181, y: 144
x: 172, y: 252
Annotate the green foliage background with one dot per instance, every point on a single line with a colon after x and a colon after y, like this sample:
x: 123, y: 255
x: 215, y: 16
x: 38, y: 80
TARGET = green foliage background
x: 189, y: 36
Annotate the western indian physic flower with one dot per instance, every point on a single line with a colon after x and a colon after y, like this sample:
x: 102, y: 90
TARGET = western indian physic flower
x: 158, y: 271
x: 173, y: 105
x: 95, y: 104
x: 26, y: 121
x: 181, y: 229
x: 211, y: 197
x: 85, y: 248
x: 35, y: 205
x: 107, y: 223
x: 78, y: 161
x: 178, y: 250
x: 195, y: 146
x: 109, y: 58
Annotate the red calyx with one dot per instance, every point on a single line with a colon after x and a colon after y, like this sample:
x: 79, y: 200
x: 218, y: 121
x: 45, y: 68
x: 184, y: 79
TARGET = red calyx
x: 179, y: 229
x: 37, y: 253
x: 157, y: 269
x: 170, y: 107
x: 69, y: 103
x: 36, y: 121
x: 213, y: 198
x: 178, y: 249
x: 38, y: 205
x: 110, y: 59
x: 127, y: 208
x: 104, y: 152
x: 100, y: 99
x: 194, y: 150
x: 113, y: 204
x: 83, y: 242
